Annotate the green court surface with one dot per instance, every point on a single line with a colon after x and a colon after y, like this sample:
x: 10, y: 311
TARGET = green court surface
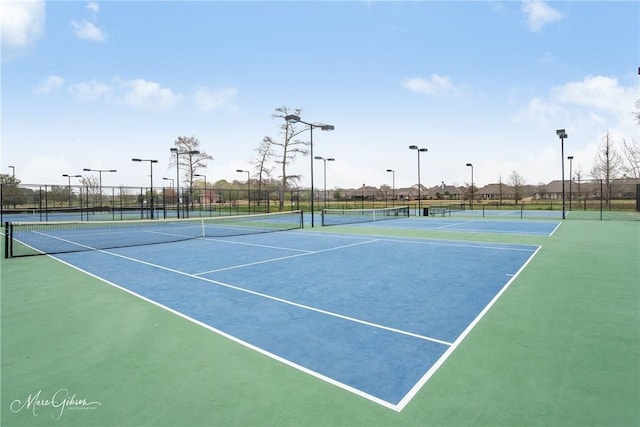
x: 561, y: 347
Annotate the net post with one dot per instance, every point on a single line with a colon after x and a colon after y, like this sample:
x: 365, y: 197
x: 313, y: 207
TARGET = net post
x: 8, y: 240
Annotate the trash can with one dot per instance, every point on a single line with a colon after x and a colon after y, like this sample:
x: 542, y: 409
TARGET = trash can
x: 425, y: 211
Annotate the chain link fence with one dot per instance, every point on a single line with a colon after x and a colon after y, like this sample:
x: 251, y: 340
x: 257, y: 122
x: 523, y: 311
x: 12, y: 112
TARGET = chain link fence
x: 580, y: 199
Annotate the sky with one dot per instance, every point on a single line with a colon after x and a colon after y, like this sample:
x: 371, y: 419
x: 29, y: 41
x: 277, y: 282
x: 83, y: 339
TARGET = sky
x: 95, y: 84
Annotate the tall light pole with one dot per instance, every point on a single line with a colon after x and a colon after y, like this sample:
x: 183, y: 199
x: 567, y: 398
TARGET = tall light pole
x: 100, y: 182
x: 13, y: 185
x: 393, y: 188
x: 69, y: 177
x: 471, y: 202
x: 418, y: 150
x: 562, y: 135
x: 248, y: 189
x: 292, y: 118
x: 177, y: 153
x: 570, y: 158
x: 164, y: 196
x: 205, y: 187
x: 325, y: 160
x: 151, y: 162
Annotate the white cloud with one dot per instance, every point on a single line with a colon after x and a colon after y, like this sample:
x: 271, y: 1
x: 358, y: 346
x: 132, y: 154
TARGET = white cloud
x: 599, y: 92
x: 49, y: 85
x: 207, y: 99
x: 21, y: 24
x: 94, y: 8
x: 596, y: 98
x: 539, y: 14
x: 88, y: 31
x: 540, y: 110
x: 90, y: 91
x: 147, y: 95
x: 586, y: 109
x: 437, y: 85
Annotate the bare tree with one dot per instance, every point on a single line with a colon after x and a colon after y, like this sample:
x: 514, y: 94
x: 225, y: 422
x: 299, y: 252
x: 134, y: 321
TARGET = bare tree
x: 189, y: 161
x: 631, y: 153
x: 8, y: 179
x: 517, y: 181
x: 289, y: 146
x: 261, y: 162
x: 92, y: 184
x: 607, y: 164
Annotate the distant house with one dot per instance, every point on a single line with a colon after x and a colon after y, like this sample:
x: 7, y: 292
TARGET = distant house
x: 553, y: 190
x: 495, y: 192
x: 411, y: 193
x: 444, y: 192
x: 364, y: 193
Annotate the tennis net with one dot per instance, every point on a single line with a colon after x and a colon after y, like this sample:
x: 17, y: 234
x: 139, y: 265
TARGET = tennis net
x: 38, y: 238
x: 352, y: 216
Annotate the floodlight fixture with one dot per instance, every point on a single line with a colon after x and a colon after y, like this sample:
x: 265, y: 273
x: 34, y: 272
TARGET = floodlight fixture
x: 294, y: 118
x: 100, y: 178
x: 418, y: 151
x: 471, y: 200
x: 248, y: 188
x: 562, y: 134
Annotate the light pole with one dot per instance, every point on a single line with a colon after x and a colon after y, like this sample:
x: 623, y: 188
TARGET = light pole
x: 471, y: 202
x: 393, y: 188
x: 248, y: 189
x: 570, y: 158
x: 177, y: 153
x: 100, y: 182
x: 69, y: 177
x: 292, y: 118
x: 418, y: 150
x: 164, y: 195
x: 13, y: 185
x: 325, y: 160
x: 562, y: 135
x: 151, y: 162
x: 205, y: 187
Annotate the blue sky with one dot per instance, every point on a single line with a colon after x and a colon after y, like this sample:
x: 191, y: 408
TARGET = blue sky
x: 93, y: 84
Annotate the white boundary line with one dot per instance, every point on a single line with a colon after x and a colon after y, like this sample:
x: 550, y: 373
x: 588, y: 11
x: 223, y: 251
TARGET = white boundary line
x: 396, y: 407
x: 242, y: 342
x: 554, y: 230
x: 416, y: 388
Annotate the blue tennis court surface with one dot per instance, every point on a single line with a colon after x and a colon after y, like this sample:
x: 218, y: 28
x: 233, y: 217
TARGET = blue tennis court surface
x: 374, y: 316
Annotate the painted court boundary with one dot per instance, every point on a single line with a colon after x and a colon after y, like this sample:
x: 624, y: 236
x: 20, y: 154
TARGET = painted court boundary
x: 409, y: 395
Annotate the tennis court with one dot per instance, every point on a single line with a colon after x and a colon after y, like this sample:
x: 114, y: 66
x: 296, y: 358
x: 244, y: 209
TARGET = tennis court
x: 521, y: 227
x: 396, y: 322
